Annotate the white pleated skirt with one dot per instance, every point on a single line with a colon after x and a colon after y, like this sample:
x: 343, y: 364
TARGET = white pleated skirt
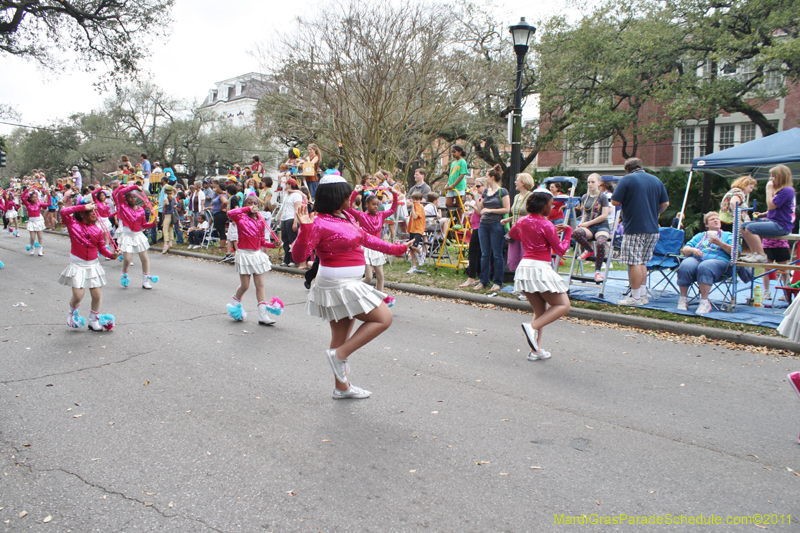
x: 102, y: 221
x: 11, y: 213
x: 132, y: 242
x: 80, y: 274
x: 790, y: 325
x: 374, y: 257
x: 233, y: 232
x: 252, y: 262
x: 333, y: 299
x: 35, y: 224
x: 538, y: 276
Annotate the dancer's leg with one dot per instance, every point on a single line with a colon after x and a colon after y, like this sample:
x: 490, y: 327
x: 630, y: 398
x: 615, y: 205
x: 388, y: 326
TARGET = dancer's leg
x: 379, y: 277
x: 145, y: 262
x: 374, y: 323
x: 368, y: 274
x: 340, y: 332
x: 77, y: 296
x: 97, y: 296
x: 261, y: 293
x: 244, y: 284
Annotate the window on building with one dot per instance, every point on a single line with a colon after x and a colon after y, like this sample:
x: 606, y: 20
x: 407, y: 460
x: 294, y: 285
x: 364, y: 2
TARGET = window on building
x: 702, y: 139
x: 687, y: 145
x: 775, y: 124
x: 213, y: 96
x: 604, y: 152
x: 238, y: 90
x: 747, y: 133
x: 229, y: 93
x: 579, y: 156
x: 726, y: 135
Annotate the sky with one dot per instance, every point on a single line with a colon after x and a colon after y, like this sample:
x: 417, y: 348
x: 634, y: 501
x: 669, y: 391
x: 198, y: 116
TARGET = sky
x: 207, y: 44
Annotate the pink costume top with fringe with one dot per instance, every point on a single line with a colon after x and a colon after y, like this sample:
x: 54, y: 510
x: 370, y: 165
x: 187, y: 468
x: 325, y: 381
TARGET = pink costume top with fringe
x: 102, y: 208
x: 538, y: 236
x: 338, y: 242
x: 86, y: 239
x: 34, y: 210
x: 134, y: 219
x: 372, y: 224
x: 251, y: 230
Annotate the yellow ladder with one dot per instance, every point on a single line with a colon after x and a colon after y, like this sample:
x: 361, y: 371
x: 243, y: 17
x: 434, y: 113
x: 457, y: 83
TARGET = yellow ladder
x: 459, y: 230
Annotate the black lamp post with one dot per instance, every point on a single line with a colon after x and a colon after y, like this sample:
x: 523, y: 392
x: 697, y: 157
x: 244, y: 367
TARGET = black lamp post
x: 521, y: 34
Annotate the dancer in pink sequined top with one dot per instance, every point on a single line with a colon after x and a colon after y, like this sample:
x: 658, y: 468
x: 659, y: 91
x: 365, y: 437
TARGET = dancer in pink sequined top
x: 35, y: 226
x: 544, y: 288
x: 250, y: 260
x: 372, y: 221
x: 131, y: 239
x: 338, y: 295
x: 84, y: 270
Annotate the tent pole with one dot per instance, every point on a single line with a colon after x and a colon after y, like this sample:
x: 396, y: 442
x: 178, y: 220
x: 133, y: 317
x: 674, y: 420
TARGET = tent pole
x: 685, y: 197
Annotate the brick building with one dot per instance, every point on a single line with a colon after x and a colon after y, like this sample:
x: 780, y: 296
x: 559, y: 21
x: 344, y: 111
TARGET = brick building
x: 685, y: 144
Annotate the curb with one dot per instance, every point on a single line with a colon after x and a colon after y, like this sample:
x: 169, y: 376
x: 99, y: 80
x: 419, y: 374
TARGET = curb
x: 752, y: 339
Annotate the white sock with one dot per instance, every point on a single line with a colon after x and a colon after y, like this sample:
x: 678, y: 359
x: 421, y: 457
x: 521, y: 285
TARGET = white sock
x: 642, y: 292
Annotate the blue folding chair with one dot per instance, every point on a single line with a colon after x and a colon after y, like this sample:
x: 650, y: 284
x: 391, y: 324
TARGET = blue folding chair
x: 665, y: 262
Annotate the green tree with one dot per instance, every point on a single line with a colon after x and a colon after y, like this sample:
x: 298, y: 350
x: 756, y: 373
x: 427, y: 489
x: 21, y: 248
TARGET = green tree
x: 110, y: 32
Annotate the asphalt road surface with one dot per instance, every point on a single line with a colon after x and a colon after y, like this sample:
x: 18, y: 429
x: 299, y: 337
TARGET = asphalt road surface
x: 182, y: 420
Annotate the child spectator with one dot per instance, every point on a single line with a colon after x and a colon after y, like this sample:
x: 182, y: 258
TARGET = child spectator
x: 196, y: 232
x: 416, y: 227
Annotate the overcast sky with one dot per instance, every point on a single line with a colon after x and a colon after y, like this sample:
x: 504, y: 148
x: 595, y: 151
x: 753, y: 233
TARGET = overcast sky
x: 208, y: 44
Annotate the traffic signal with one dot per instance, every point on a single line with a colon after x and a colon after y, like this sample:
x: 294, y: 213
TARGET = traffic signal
x: 2, y: 159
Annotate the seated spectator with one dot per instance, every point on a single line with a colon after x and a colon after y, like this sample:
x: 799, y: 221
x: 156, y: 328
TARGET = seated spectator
x: 778, y: 220
x: 432, y: 214
x: 739, y: 194
x: 556, y: 215
x: 196, y: 232
x: 707, y: 260
x: 594, y: 224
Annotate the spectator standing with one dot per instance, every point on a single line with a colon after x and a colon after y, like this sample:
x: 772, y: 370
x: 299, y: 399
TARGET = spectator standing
x: 492, y: 205
x: 257, y: 167
x: 474, y: 240
x: 77, y: 178
x: 524, y: 186
x: 314, y: 156
x: 208, y: 193
x: 292, y: 201
x: 643, y: 197
x: 146, y: 168
x: 419, y: 183
x: 457, y: 181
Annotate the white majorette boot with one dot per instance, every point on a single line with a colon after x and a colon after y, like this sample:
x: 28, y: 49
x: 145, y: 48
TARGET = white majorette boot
x: 98, y: 322
x: 146, y: 279
x: 263, y: 315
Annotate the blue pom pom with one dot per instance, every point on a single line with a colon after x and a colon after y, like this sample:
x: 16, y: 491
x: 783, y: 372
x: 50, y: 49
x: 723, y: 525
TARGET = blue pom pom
x: 77, y: 320
x: 1, y: 264
x: 107, y: 321
x: 236, y: 312
x: 28, y: 248
x: 125, y: 280
x: 37, y: 245
x: 154, y: 279
x: 120, y: 258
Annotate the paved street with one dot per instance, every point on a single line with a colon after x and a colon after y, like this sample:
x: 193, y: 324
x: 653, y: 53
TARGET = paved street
x: 182, y: 420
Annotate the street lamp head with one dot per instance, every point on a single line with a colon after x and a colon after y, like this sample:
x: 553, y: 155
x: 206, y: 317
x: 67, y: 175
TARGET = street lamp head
x: 521, y: 33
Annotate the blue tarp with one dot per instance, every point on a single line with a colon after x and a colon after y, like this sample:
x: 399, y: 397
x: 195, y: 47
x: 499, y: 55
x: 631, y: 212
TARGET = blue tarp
x: 755, y: 157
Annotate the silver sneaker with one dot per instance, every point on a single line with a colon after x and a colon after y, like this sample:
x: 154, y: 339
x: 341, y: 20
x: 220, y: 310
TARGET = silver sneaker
x: 339, y: 367
x: 540, y: 355
x: 353, y: 392
x: 630, y: 300
x: 532, y: 336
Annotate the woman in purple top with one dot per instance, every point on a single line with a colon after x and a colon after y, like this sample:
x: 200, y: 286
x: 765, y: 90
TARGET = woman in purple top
x: 779, y: 219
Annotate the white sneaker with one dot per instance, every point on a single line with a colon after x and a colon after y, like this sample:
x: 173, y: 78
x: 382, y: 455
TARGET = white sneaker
x: 531, y: 335
x: 540, y: 355
x: 630, y: 300
x: 339, y: 367
x: 766, y: 296
x: 353, y: 393
x: 754, y: 258
x: 420, y: 259
x: 146, y: 281
x: 703, y: 308
x: 644, y: 300
x: 683, y: 304
x: 412, y: 270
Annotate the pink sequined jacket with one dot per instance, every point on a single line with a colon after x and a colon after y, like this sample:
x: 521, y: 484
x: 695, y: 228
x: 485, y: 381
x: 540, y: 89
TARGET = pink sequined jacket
x: 538, y: 237
x: 134, y: 219
x: 86, y: 239
x: 251, y: 230
x: 338, y: 242
x: 372, y: 224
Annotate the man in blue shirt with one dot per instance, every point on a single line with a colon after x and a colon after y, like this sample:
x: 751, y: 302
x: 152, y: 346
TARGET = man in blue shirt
x: 643, y: 197
x: 708, y: 259
x: 146, y: 168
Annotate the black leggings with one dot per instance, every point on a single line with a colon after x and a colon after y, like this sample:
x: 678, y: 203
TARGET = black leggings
x: 288, y: 235
x: 474, y: 267
x: 220, y: 217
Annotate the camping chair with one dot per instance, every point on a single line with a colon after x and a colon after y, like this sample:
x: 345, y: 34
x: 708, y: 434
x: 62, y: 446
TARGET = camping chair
x: 665, y: 262
x: 210, y: 234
